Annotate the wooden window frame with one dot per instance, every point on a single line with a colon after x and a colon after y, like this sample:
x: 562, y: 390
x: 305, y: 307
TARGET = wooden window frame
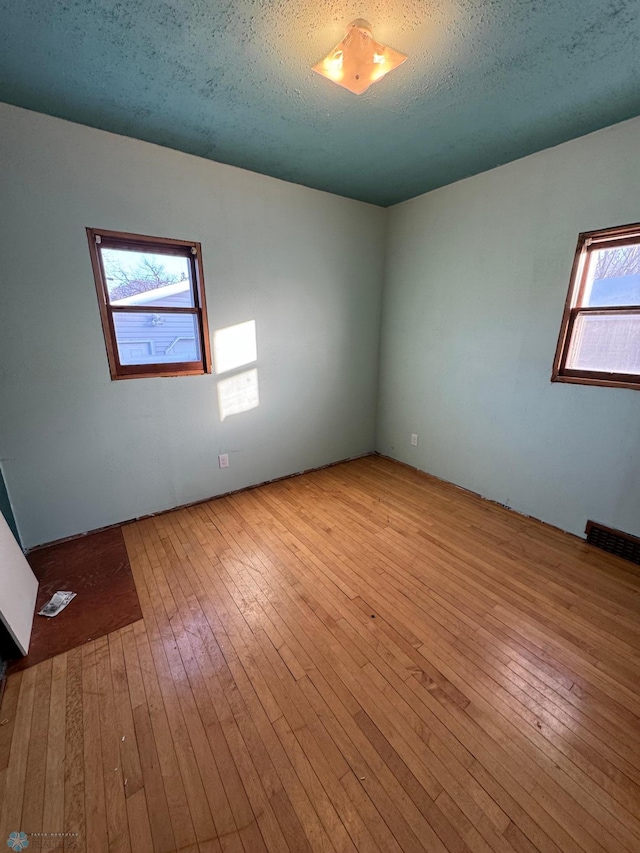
x: 99, y: 239
x: 588, y: 242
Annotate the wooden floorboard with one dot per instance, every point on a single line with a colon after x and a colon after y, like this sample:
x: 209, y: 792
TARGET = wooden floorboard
x: 357, y: 659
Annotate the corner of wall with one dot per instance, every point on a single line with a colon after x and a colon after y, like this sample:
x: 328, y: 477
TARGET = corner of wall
x: 383, y: 293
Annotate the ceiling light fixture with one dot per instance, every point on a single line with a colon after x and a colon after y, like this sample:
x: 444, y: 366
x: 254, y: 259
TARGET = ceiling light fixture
x: 358, y: 61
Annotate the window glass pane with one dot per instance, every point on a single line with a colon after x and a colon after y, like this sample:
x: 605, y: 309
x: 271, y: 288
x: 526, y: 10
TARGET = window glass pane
x: 614, y: 277
x: 147, y: 338
x: 147, y: 278
x: 606, y: 342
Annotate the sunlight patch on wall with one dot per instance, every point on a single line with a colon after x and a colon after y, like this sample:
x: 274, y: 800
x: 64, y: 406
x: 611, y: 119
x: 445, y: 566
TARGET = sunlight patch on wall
x: 238, y: 393
x: 235, y: 346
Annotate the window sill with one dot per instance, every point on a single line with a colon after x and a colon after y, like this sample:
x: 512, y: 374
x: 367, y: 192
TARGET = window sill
x: 603, y: 380
x: 155, y: 375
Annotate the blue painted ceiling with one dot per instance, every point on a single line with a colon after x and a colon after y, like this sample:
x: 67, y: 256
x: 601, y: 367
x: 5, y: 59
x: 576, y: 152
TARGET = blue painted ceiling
x: 486, y: 82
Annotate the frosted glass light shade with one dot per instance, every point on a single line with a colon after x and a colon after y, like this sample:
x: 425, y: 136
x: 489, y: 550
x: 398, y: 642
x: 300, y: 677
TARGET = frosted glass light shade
x: 358, y: 61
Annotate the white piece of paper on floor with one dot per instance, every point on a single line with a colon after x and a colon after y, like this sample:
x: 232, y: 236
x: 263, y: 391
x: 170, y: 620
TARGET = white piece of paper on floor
x: 56, y: 603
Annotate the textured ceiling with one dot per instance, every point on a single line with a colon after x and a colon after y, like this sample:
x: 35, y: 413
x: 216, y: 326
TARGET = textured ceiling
x: 486, y: 81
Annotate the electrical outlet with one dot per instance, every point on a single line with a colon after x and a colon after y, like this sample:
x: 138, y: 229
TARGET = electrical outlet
x: 414, y: 439
x: 223, y: 460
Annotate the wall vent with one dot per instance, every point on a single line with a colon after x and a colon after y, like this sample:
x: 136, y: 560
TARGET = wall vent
x: 614, y: 541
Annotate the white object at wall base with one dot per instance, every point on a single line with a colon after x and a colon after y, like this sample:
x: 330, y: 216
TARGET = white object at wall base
x: 18, y: 589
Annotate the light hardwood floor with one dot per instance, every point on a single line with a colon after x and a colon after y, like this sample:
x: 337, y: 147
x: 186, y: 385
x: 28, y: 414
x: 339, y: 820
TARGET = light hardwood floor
x: 362, y: 658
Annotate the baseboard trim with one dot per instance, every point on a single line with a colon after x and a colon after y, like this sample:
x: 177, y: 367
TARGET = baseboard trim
x: 200, y: 501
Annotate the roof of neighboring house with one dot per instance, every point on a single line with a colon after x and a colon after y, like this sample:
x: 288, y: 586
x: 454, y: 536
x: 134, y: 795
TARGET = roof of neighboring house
x: 136, y: 293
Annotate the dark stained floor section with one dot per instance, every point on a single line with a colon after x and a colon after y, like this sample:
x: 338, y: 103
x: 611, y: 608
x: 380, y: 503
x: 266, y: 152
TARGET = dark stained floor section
x: 96, y: 567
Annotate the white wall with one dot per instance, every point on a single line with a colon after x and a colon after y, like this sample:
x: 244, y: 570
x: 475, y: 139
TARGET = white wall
x: 18, y: 589
x: 80, y: 451
x: 5, y: 506
x: 476, y: 278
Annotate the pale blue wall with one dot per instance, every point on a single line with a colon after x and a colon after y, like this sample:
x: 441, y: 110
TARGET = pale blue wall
x: 82, y: 451
x: 476, y: 278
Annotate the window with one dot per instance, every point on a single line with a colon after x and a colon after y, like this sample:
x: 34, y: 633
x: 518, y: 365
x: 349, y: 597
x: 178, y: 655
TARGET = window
x: 152, y: 304
x: 599, y: 341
